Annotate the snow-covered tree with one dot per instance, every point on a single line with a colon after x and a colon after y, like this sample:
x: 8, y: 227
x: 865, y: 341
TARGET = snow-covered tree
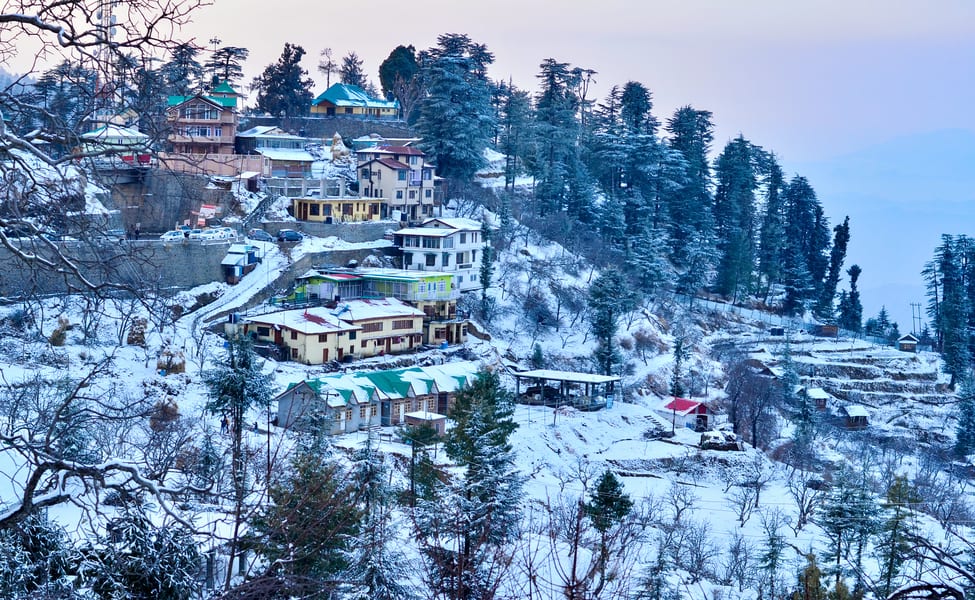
x: 284, y: 88
x: 456, y: 120
x: 466, y: 536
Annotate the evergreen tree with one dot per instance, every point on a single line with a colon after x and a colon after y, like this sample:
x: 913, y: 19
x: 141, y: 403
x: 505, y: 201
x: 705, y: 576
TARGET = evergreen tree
x: 284, y: 87
x: 456, y: 120
x: 466, y: 535
x: 848, y: 518
x: 841, y: 237
x: 807, y: 236
x: 514, y: 135
x: 556, y: 132
x: 236, y: 386
x: 949, y: 306
x: 894, y: 543
x: 36, y: 557
x: 312, y: 518
x: 142, y: 561
x: 965, y: 427
x: 607, y: 508
x: 226, y: 64
x: 609, y: 299
x: 734, y: 216
x: 183, y: 74
x: 850, y: 309
x: 689, y: 206
x: 399, y: 66
x: 771, y: 238
x: 350, y: 71
x: 376, y: 565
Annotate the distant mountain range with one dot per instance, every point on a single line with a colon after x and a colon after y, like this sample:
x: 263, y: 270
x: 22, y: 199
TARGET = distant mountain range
x: 901, y: 196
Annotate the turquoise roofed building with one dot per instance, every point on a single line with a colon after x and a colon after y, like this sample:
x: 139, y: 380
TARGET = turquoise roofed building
x: 347, y: 402
x: 342, y: 99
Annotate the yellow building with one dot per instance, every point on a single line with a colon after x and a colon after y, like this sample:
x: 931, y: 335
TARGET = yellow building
x: 337, y: 210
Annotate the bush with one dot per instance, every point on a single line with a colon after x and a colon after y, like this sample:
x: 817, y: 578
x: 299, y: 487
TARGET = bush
x: 60, y: 335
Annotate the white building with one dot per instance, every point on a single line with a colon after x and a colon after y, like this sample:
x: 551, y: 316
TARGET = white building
x: 449, y: 245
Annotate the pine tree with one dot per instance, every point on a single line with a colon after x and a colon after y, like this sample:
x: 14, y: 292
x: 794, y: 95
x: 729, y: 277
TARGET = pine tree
x: 850, y: 309
x: 949, y: 307
x: 466, y: 534
x: 848, y: 518
x: 556, y: 132
x: 284, y: 87
x: 226, y: 64
x: 771, y: 238
x: 183, y: 74
x: 965, y: 427
x: 142, y: 561
x: 607, y: 508
x: 690, y: 205
x: 313, y: 516
x: 841, y: 237
x: 609, y: 300
x: 894, y: 545
x: 376, y: 566
x: 350, y: 71
x: 236, y: 386
x: 734, y: 216
x: 456, y: 120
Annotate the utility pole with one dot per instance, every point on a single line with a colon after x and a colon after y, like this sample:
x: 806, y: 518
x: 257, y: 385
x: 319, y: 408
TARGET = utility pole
x: 916, y: 318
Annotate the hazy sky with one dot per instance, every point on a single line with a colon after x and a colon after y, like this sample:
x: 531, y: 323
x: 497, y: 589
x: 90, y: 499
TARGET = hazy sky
x: 809, y: 80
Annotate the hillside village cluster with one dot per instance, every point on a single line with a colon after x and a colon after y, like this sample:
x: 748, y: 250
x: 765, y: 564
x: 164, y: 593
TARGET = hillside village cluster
x: 333, y: 315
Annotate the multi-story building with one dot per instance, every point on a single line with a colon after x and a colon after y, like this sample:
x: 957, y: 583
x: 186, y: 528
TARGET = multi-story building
x: 442, y: 244
x: 204, y: 123
x: 400, y: 176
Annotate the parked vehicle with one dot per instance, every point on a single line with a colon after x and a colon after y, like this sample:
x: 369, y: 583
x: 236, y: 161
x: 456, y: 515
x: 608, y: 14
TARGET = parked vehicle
x: 209, y: 235
x: 259, y: 235
x: 194, y: 234
x: 227, y: 232
x: 289, y: 235
x: 172, y: 236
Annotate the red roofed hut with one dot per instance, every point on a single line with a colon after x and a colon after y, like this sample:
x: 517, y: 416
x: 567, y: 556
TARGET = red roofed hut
x: 682, y: 412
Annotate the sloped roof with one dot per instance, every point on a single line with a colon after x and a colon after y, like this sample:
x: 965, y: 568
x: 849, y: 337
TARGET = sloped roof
x: 224, y: 88
x: 115, y: 131
x: 286, y: 154
x: 392, y: 384
x: 310, y: 321
x: 221, y: 101
x: 389, y: 163
x: 452, y: 223
x: 407, y: 150
x: 342, y: 94
x: 682, y: 406
x: 265, y: 130
x: 360, y: 310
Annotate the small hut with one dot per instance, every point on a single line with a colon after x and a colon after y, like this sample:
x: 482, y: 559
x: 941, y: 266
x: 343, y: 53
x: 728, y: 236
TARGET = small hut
x: 856, y: 416
x: 907, y: 343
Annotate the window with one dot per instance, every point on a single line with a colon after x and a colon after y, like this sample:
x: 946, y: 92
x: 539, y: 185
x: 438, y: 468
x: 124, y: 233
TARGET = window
x: 348, y: 110
x: 401, y: 175
x: 264, y: 331
x: 403, y: 324
x: 370, y: 327
x: 364, y: 343
x: 365, y: 173
x: 412, y: 194
x: 431, y: 243
x: 294, y: 335
x: 431, y: 260
x: 362, y: 411
x: 427, y: 174
x: 323, y: 337
x: 200, y: 111
x: 446, y: 259
x: 407, y: 259
x: 428, y: 193
x: 313, y: 209
x: 463, y: 238
x: 413, y: 160
x: 399, y: 194
x: 473, y: 256
x: 351, y: 336
x: 348, y: 415
x: 294, y: 354
x: 460, y: 258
